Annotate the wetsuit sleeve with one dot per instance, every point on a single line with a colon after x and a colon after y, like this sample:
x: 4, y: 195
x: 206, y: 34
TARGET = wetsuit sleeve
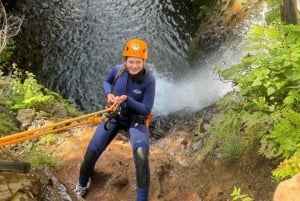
x: 108, y: 82
x: 146, y: 105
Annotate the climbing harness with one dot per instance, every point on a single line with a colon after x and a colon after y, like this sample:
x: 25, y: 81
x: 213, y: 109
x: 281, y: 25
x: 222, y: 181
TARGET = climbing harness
x: 111, y: 115
x: 92, y: 118
x: 148, y: 119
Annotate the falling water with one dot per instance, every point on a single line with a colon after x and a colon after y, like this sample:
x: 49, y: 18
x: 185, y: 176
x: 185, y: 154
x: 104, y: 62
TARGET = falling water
x: 202, y: 86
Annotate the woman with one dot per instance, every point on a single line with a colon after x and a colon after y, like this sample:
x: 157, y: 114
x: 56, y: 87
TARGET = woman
x: 133, y: 87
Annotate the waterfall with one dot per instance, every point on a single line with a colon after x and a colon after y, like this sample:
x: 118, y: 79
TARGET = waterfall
x: 201, y: 86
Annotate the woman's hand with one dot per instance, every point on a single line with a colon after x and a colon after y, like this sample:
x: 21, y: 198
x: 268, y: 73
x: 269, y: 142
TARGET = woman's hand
x: 110, y: 99
x: 120, y: 99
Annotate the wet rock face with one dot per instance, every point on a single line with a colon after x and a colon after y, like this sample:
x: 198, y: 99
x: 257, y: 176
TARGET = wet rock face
x: 13, y: 185
x: 162, y: 124
x: 219, y: 26
x: 18, y: 186
x: 288, y: 190
x: 26, y: 116
x: 36, y: 184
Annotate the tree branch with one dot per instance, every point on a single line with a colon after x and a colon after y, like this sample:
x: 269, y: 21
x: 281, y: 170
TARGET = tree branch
x: 9, y: 26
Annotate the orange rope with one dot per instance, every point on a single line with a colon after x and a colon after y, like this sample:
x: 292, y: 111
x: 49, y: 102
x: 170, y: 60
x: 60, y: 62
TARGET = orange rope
x: 51, y: 128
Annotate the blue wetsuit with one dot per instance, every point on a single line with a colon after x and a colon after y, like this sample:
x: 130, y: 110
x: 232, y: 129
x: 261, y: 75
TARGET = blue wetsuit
x: 140, y: 98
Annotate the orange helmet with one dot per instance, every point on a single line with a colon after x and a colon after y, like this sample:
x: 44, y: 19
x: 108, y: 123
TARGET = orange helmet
x: 136, y: 48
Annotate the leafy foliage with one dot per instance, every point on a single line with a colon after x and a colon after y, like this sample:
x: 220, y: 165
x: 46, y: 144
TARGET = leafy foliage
x: 236, y: 127
x: 266, y: 78
x: 29, y: 94
x: 201, y: 9
x: 22, y: 90
x: 236, y: 195
x: 274, y: 14
x: 287, y: 168
x: 232, y: 148
x: 266, y: 103
x: 284, y: 140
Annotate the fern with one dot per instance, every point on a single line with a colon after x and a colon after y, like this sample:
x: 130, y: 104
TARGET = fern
x: 266, y: 76
x: 258, y: 123
x: 268, y: 93
x: 21, y: 90
x: 293, y: 99
x: 236, y: 128
x: 284, y: 140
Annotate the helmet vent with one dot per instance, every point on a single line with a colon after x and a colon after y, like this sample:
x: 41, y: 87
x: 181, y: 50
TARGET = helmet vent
x: 135, y: 47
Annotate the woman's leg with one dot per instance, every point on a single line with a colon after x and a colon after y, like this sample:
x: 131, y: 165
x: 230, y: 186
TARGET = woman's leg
x: 139, y: 139
x: 97, y: 145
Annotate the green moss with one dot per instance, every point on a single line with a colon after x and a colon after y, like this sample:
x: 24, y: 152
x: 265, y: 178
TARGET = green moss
x: 7, y: 125
x: 48, y: 140
x: 38, y: 158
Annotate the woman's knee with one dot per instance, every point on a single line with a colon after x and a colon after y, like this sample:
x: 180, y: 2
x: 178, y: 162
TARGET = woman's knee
x: 141, y: 155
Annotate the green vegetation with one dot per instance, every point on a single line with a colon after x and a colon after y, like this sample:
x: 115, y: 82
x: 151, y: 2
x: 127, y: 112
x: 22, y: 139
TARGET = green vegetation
x: 7, y: 125
x: 48, y: 140
x: 287, y: 168
x: 284, y: 140
x: 265, y: 105
x: 237, y: 196
x: 236, y: 127
x: 6, y: 55
x: 20, y: 90
x: 203, y: 8
x: 39, y: 158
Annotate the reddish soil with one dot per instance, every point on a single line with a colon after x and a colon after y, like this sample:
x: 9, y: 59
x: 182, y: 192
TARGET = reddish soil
x: 176, y: 171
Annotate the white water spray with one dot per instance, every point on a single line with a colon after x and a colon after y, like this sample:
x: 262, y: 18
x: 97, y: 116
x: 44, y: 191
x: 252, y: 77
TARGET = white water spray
x: 198, y: 89
x: 202, y: 87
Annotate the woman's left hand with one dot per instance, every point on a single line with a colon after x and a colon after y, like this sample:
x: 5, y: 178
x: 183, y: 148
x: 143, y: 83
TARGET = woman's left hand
x: 120, y: 99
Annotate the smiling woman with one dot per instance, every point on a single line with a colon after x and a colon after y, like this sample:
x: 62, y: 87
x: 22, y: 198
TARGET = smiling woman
x: 134, y: 65
x: 135, y: 99
x: 135, y: 53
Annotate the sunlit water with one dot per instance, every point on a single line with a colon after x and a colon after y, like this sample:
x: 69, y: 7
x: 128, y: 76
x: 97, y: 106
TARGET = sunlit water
x: 76, y: 43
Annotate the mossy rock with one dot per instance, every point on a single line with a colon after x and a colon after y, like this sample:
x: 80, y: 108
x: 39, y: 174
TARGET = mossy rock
x: 7, y: 125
